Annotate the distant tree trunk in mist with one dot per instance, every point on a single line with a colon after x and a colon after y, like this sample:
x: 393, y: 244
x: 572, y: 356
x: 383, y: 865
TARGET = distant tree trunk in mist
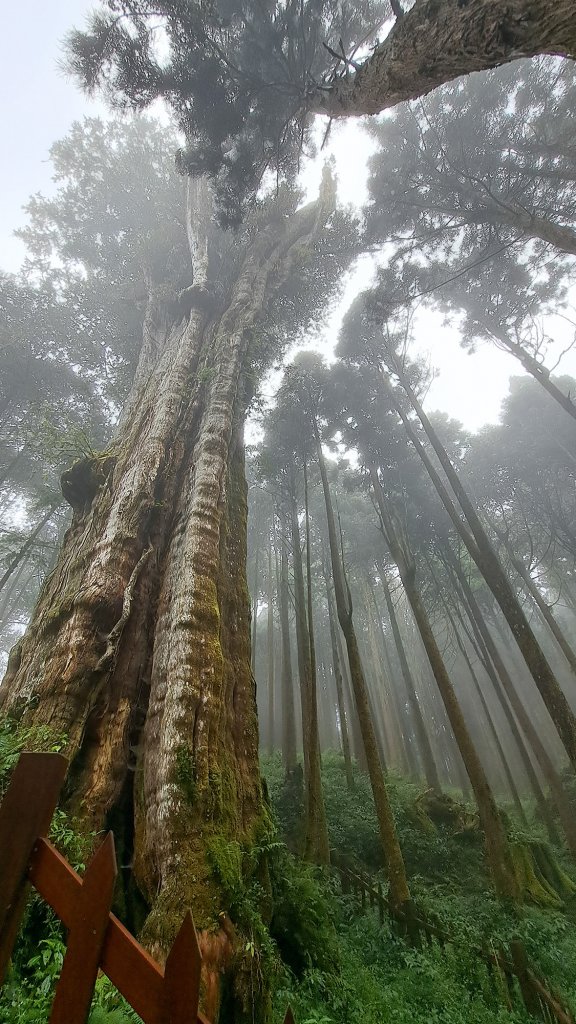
x: 141, y: 636
x: 543, y: 608
x: 270, y: 650
x: 255, y: 607
x: 497, y: 850
x: 483, y: 553
x: 385, y: 708
x: 338, y: 680
x: 287, y: 683
x: 488, y: 717
x: 27, y: 545
x: 439, y: 40
x: 316, y: 846
x: 399, y: 892
x: 536, y: 369
x: 518, y: 706
x: 422, y: 738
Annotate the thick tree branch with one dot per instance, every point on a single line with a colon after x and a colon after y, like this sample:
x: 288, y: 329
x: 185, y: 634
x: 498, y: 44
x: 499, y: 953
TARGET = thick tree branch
x: 438, y: 40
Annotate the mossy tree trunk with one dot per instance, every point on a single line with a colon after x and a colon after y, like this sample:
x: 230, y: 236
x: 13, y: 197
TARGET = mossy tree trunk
x: 139, y: 647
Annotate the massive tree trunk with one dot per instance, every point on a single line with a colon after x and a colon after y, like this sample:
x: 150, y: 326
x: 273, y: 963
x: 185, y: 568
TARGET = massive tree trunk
x: 438, y: 40
x: 140, y: 643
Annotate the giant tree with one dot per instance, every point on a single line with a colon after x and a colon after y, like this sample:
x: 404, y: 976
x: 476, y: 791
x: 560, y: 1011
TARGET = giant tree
x: 138, y: 652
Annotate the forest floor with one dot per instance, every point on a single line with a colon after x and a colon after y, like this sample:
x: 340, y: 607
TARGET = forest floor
x: 365, y: 973
x: 330, y: 960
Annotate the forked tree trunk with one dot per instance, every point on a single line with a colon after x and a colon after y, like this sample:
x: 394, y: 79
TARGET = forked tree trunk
x: 140, y: 640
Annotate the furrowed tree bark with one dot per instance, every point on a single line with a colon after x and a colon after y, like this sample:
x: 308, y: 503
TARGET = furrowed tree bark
x: 399, y: 891
x: 497, y: 849
x: 438, y: 40
x: 139, y: 648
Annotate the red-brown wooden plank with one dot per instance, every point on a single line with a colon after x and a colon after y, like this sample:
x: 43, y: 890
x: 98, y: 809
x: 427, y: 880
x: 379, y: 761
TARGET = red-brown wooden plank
x: 86, y: 938
x: 289, y: 1018
x: 182, y: 976
x: 130, y: 968
x: 25, y: 814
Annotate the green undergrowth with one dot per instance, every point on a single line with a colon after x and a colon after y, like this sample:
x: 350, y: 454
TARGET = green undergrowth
x: 378, y: 977
x: 26, y: 997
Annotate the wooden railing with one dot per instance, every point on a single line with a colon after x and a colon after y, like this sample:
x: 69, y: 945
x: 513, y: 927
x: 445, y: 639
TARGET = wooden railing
x: 96, y: 939
x: 511, y: 972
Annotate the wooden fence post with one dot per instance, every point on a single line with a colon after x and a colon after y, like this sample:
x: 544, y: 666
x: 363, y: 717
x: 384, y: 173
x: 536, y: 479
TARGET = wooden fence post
x: 182, y: 976
x: 25, y: 814
x: 289, y: 1018
x: 86, y: 938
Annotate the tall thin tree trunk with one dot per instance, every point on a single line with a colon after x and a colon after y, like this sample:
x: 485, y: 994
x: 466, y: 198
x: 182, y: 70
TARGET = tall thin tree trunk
x: 497, y: 849
x: 487, y: 561
x: 287, y: 684
x: 316, y: 845
x: 422, y: 738
x: 543, y: 758
x: 270, y: 645
x: 399, y: 891
x: 338, y: 680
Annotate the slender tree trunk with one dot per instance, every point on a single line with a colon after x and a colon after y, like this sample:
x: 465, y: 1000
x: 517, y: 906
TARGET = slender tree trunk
x: 488, y: 716
x: 287, y: 684
x: 255, y: 608
x: 497, y: 850
x: 439, y: 40
x: 543, y: 608
x: 338, y: 680
x: 487, y: 561
x: 28, y: 543
x: 141, y: 636
x: 316, y: 846
x: 270, y: 645
x: 399, y: 891
x: 430, y: 769
x: 543, y: 758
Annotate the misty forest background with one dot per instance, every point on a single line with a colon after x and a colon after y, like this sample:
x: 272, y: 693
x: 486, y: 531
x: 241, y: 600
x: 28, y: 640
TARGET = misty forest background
x: 412, y: 583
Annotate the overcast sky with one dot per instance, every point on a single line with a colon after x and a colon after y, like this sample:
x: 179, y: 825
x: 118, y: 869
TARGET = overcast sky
x: 39, y: 105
